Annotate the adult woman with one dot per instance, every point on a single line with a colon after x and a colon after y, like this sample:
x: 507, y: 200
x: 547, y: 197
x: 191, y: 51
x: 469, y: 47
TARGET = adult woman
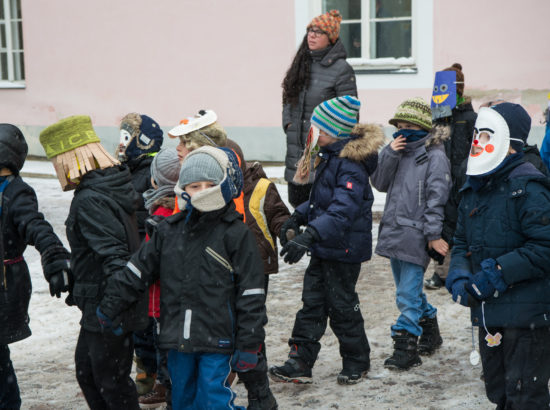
x: 318, y: 72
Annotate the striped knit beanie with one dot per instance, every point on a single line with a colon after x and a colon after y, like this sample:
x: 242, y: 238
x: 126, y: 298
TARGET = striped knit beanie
x: 414, y: 110
x: 329, y: 23
x: 337, y: 116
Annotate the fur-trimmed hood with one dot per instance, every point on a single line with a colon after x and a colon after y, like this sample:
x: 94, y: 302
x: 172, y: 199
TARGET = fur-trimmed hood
x: 438, y: 135
x: 366, y: 139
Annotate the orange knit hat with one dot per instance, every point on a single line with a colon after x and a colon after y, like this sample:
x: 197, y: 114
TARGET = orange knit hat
x: 329, y: 23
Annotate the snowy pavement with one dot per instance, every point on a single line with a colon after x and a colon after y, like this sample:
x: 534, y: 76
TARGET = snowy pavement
x: 44, y: 362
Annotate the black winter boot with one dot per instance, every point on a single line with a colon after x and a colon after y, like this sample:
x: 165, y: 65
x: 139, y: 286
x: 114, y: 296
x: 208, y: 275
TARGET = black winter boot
x: 260, y: 396
x: 295, y: 370
x: 430, y: 340
x: 405, y: 353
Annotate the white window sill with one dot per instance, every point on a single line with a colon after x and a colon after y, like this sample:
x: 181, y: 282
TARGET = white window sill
x: 13, y: 84
x: 383, y: 65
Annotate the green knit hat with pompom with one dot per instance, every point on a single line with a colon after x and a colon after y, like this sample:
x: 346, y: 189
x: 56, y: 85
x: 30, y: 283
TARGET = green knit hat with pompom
x: 416, y: 111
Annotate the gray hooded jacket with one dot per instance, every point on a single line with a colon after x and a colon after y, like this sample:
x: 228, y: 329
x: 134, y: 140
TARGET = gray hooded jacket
x: 417, y: 181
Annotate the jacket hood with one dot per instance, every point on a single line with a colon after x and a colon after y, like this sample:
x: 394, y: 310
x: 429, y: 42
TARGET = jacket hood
x: 115, y: 182
x: 336, y: 52
x: 438, y: 135
x: 366, y: 141
x: 253, y: 172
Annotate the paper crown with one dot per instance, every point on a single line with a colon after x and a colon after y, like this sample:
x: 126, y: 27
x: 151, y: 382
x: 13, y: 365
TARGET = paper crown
x: 202, y: 119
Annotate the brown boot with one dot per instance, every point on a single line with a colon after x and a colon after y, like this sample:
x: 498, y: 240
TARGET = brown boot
x: 155, y: 398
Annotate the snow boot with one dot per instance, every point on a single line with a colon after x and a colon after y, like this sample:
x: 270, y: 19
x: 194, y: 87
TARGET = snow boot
x: 155, y: 398
x: 260, y: 396
x: 405, y: 353
x: 144, y: 381
x: 351, y: 376
x: 295, y: 370
x: 430, y: 340
x: 435, y: 282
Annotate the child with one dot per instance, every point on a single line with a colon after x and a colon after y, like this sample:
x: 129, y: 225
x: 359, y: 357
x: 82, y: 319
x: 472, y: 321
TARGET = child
x: 20, y: 225
x: 159, y: 202
x: 415, y: 173
x: 102, y: 233
x: 212, y: 285
x: 338, y: 222
x: 499, y: 262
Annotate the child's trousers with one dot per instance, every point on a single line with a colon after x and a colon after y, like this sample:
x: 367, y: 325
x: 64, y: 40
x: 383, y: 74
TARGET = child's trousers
x: 516, y: 372
x: 409, y: 297
x: 329, y: 292
x: 199, y: 381
x: 9, y: 389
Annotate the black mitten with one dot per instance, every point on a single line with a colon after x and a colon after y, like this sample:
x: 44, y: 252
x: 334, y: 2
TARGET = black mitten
x: 291, y: 227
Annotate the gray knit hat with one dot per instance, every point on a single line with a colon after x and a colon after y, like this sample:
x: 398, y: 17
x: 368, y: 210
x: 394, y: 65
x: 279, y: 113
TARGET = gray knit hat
x: 165, y: 168
x: 200, y: 167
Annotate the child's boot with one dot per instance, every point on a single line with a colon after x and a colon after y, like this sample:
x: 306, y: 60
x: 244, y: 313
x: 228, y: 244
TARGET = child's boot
x: 353, y: 372
x: 260, y: 396
x: 430, y: 340
x: 405, y: 354
x: 295, y: 370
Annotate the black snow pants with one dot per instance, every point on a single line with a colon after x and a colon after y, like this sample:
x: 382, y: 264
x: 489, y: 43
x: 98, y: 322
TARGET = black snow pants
x: 9, y: 389
x: 517, y: 371
x: 103, y: 364
x: 329, y: 292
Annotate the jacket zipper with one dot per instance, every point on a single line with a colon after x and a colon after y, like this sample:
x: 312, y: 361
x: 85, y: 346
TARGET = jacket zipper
x: 219, y: 258
x: 419, y: 193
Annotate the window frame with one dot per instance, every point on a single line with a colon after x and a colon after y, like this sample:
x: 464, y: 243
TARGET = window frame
x: 9, y: 22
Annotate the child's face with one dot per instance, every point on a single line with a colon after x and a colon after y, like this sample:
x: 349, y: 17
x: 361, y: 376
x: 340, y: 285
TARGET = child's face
x: 5, y: 171
x: 405, y: 125
x: 325, y: 139
x: 198, y: 186
x: 182, y: 150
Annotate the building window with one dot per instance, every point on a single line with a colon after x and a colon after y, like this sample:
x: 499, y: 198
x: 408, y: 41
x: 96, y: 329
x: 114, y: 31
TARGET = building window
x: 12, y: 69
x: 377, y: 34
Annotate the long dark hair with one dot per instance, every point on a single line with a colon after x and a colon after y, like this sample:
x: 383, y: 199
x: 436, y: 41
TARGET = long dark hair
x: 297, y: 76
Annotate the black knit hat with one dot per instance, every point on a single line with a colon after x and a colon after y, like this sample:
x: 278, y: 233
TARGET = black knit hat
x: 13, y: 148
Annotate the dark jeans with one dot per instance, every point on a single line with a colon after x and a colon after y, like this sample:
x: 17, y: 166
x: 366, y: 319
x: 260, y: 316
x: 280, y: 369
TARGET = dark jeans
x: 103, y: 364
x: 298, y: 194
x: 517, y: 371
x: 9, y: 389
x: 329, y: 292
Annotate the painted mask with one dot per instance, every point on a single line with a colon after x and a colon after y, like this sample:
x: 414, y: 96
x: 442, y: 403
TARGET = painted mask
x: 444, y: 94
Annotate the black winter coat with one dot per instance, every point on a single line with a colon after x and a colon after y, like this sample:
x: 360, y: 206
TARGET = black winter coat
x: 330, y: 76
x: 21, y: 225
x: 102, y: 234
x: 211, y: 283
x: 140, y: 169
x: 457, y: 149
x: 508, y: 219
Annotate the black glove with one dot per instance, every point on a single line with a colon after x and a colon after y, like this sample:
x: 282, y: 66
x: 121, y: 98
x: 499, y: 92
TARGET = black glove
x: 294, y: 222
x: 435, y: 255
x: 59, y: 277
x: 297, y: 247
x: 151, y: 223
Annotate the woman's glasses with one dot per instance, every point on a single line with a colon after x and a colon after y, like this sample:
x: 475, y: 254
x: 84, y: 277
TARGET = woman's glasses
x: 315, y: 32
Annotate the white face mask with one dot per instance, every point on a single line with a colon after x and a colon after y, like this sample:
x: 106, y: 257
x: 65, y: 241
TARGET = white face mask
x: 125, y: 138
x: 490, y: 143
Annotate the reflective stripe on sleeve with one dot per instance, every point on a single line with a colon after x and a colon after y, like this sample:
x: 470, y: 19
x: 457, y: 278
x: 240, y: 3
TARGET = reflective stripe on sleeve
x: 134, y: 270
x: 257, y: 291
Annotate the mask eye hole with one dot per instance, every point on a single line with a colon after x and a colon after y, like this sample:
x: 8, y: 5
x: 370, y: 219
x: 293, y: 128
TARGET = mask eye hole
x: 436, y: 88
x: 484, y: 137
x: 444, y: 88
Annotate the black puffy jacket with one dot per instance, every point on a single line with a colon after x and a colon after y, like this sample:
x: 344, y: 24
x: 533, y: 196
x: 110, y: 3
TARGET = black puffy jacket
x: 21, y: 225
x: 140, y: 170
x: 330, y: 76
x: 211, y: 283
x: 103, y: 235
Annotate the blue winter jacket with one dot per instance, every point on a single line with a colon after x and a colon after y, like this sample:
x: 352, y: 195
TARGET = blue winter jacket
x: 545, y: 147
x: 508, y: 220
x: 339, y: 206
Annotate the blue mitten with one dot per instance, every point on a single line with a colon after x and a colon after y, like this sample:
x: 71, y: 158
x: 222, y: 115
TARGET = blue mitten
x: 486, y: 281
x: 244, y: 360
x: 455, y: 282
x: 106, y: 323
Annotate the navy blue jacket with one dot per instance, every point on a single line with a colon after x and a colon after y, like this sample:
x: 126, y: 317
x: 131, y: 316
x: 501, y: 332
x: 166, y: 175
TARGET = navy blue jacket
x: 339, y: 206
x: 509, y: 220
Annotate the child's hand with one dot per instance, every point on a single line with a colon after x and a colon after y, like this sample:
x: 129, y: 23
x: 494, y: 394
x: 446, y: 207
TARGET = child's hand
x: 398, y: 144
x: 440, y: 246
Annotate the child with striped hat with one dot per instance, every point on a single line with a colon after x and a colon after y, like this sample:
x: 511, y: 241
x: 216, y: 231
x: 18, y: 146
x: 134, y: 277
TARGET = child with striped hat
x: 338, y: 223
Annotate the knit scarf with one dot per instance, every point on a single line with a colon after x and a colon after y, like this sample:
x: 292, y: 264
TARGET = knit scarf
x: 410, y: 135
x: 152, y: 195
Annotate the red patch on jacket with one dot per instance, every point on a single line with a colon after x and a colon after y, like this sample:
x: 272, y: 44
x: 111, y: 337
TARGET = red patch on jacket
x: 349, y: 185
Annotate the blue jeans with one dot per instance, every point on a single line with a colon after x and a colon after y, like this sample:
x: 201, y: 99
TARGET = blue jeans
x: 199, y: 381
x: 409, y: 297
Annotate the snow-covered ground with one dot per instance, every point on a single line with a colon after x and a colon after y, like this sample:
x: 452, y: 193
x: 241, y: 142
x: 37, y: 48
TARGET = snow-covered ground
x: 44, y: 362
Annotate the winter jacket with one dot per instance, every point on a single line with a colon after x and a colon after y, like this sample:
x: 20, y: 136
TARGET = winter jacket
x: 265, y: 213
x: 160, y: 212
x: 457, y: 148
x: 21, y: 225
x: 417, y: 181
x: 140, y: 169
x: 339, y: 206
x: 508, y: 220
x: 330, y: 76
x: 211, y: 278
x: 545, y: 147
x: 103, y: 235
